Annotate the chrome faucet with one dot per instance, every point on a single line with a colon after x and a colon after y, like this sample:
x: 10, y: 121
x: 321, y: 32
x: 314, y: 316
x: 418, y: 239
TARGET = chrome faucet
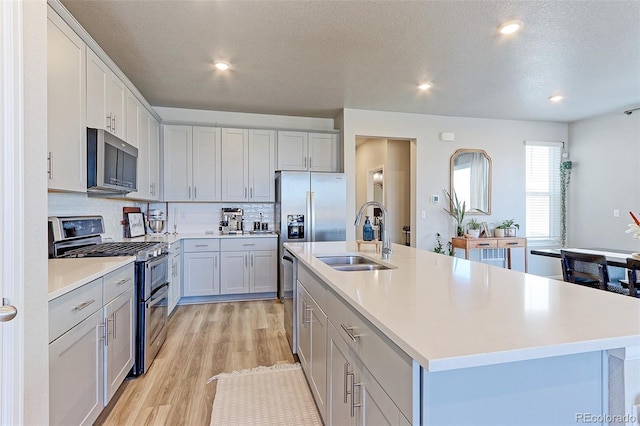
x: 386, y: 244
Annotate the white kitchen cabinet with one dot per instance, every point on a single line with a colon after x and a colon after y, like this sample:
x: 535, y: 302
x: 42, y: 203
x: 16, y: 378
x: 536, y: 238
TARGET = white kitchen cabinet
x: 304, y: 151
x: 106, y: 97
x: 248, y: 165
x: 148, y: 158
x: 119, y: 322
x: 248, y: 265
x: 175, y: 277
x: 312, y: 345
x: 201, y: 267
x: 133, y: 110
x: 341, y: 369
x: 91, y: 347
x: 66, y: 105
x: 191, y: 163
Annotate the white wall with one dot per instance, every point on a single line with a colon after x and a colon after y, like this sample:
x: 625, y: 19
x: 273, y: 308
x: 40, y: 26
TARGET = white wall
x: 502, y: 139
x: 36, y: 320
x: 605, y: 151
x: 371, y: 154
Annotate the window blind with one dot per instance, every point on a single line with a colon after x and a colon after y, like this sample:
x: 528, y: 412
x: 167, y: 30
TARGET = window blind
x: 543, y: 191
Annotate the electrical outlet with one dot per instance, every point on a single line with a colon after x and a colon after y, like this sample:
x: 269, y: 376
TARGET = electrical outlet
x: 423, y: 214
x: 183, y: 215
x: 616, y: 212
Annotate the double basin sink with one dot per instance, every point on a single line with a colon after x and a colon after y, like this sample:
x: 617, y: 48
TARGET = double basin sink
x: 353, y: 263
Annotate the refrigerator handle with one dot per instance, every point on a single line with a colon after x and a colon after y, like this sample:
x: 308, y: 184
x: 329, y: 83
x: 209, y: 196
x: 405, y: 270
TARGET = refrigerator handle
x: 313, y: 216
x: 307, y: 221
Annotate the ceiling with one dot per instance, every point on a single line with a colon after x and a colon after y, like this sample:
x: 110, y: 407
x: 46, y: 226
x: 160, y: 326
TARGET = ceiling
x: 314, y: 58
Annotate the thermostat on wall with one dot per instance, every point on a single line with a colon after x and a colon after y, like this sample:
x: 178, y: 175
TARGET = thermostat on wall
x: 435, y: 199
x: 447, y: 136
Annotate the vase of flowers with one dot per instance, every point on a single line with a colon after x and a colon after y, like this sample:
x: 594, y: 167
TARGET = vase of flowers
x: 634, y: 230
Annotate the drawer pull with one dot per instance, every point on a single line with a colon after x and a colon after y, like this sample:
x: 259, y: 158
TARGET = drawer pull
x: 484, y: 244
x: 125, y: 280
x: 83, y: 305
x: 202, y: 245
x: 248, y: 245
x: 349, y: 331
x: 512, y: 244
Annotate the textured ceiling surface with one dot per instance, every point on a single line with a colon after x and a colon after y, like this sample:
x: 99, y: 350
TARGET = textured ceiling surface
x: 313, y: 58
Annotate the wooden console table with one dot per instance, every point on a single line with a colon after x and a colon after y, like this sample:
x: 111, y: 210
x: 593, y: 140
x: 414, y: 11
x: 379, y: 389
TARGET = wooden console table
x: 488, y: 243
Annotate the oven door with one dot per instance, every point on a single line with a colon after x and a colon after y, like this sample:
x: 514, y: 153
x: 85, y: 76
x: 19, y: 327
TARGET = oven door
x: 155, y: 316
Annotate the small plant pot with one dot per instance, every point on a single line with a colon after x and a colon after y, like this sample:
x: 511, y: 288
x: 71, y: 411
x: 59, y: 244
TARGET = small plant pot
x: 473, y: 233
x: 510, y: 232
x: 498, y: 233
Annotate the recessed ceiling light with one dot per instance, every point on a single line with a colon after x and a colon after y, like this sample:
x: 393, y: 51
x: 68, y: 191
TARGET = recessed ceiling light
x: 556, y: 98
x: 510, y: 27
x: 424, y: 86
x: 222, y: 66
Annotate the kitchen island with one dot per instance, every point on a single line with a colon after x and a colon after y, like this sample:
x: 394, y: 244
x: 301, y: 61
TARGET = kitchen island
x: 488, y: 345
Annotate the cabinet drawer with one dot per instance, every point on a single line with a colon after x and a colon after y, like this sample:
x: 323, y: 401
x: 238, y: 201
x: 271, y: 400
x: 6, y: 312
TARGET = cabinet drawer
x: 316, y: 290
x: 117, y: 282
x: 391, y: 367
x: 201, y: 244
x: 73, y: 307
x: 512, y: 242
x: 175, y: 248
x: 483, y: 244
x: 248, y: 244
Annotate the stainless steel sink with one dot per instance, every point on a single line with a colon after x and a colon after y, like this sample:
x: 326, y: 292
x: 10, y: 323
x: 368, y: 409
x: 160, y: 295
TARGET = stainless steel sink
x: 352, y: 263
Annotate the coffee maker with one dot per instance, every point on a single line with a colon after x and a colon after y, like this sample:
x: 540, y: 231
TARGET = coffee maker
x: 232, y: 221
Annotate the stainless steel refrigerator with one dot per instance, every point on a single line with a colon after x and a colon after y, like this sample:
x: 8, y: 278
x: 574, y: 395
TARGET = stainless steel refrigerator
x: 309, y: 207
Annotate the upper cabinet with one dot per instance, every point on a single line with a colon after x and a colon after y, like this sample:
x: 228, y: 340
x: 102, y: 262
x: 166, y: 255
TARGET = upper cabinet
x: 133, y: 113
x: 305, y: 151
x: 191, y: 163
x: 148, y: 135
x: 106, y: 98
x: 248, y: 165
x: 66, y: 128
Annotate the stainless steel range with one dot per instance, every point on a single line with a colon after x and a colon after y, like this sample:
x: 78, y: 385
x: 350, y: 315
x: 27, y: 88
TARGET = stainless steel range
x: 80, y: 237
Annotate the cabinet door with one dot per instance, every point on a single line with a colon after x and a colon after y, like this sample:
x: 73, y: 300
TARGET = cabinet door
x: 133, y: 111
x: 97, y: 74
x: 263, y: 271
x: 119, y: 321
x: 177, y: 162
x: 341, y: 365
x: 174, y: 282
x: 66, y: 104
x: 154, y: 158
x: 318, y: 362
x: 201, y: 274
x: 261, y: 165
x: 206, y: 164
x: 303, y: 320
x: 234, y: 165
x: 116, y: 105
x: 292, y: 150
x: 234, y: 273
x: 76, y: 374
x: 323, y: 152
x: 144, y: 160
x: 376, y: 406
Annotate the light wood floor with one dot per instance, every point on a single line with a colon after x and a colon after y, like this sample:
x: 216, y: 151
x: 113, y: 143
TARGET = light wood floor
x: 203, y: 340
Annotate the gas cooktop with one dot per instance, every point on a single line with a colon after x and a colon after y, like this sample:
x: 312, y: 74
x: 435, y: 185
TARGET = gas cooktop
x: 142, y: 250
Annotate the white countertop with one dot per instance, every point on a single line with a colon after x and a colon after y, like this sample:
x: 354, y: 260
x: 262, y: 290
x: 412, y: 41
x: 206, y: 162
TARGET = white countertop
x: 172, y: 238
x: 449, y: 313
x: 66, y: 275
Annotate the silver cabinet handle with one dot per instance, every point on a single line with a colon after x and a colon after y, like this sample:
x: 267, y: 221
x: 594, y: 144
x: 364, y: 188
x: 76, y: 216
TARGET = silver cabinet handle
x: 309, y: 162
x: 202, y: 245
x: 215, y: 262
x: 245, y: 192
x: 115, y: 124
x: 308, y: 310
x: 353, y: 395
x: 7, y: 311
x: 195, y: 192
x: 83, y: 305
x: 113, y: 328
x: 125, y: 280
x: 50, y: 165
x: 251, y: 192
x: 305, y: 162
x: 248, y: 245
x: 151, y: 189
x: 109, y: 121
x: 346, y: 379
x: 349, y: 331
x: 245, y: 261
x: 103, y: 338
x: 251, y: 260
x: 189, y: 192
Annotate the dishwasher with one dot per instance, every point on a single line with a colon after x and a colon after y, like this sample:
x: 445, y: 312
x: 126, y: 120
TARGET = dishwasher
x: 289, y: 279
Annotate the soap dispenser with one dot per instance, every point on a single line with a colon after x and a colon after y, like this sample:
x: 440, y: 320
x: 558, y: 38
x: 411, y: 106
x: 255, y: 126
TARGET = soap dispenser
x: 367, y: 230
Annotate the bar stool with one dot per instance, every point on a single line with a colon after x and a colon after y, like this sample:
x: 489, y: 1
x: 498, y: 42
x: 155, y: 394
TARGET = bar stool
x: 633, y: 267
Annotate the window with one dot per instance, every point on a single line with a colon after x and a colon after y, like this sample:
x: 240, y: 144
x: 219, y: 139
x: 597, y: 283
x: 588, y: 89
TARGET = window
x: 543, y: 191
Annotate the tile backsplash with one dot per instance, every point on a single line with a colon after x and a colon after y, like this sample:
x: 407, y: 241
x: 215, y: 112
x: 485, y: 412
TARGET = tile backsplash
x: 189, y: 217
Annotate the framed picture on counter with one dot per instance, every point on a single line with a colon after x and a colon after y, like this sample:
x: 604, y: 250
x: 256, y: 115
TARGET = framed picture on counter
x: 136, y: 224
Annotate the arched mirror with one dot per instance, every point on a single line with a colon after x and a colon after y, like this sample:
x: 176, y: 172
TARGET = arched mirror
x: 471, y: 179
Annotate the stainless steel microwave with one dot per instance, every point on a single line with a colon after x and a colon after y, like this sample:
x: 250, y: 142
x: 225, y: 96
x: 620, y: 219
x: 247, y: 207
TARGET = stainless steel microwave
x: 112, y: 164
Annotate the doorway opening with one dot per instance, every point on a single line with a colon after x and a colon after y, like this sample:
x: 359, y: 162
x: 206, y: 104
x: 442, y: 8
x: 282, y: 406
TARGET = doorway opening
x: 385, y: 172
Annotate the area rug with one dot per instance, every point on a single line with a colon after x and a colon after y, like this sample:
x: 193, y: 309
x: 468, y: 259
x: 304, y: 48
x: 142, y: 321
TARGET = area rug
x: 277, y: 395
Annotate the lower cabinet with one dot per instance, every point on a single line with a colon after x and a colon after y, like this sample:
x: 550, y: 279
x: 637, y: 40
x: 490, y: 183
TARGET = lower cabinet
x: 91, y: 347
x: 248, y: 265
x: 356, y: 374
x: 175, y: 276
x: 312, y: 345
x: 201, y: 267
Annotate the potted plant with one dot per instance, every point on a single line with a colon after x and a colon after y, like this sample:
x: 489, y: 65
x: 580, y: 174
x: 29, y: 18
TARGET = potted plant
x: 473, y: 228
x: 439, y: 248
x: 507, y: 228
x: 457, y: 211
